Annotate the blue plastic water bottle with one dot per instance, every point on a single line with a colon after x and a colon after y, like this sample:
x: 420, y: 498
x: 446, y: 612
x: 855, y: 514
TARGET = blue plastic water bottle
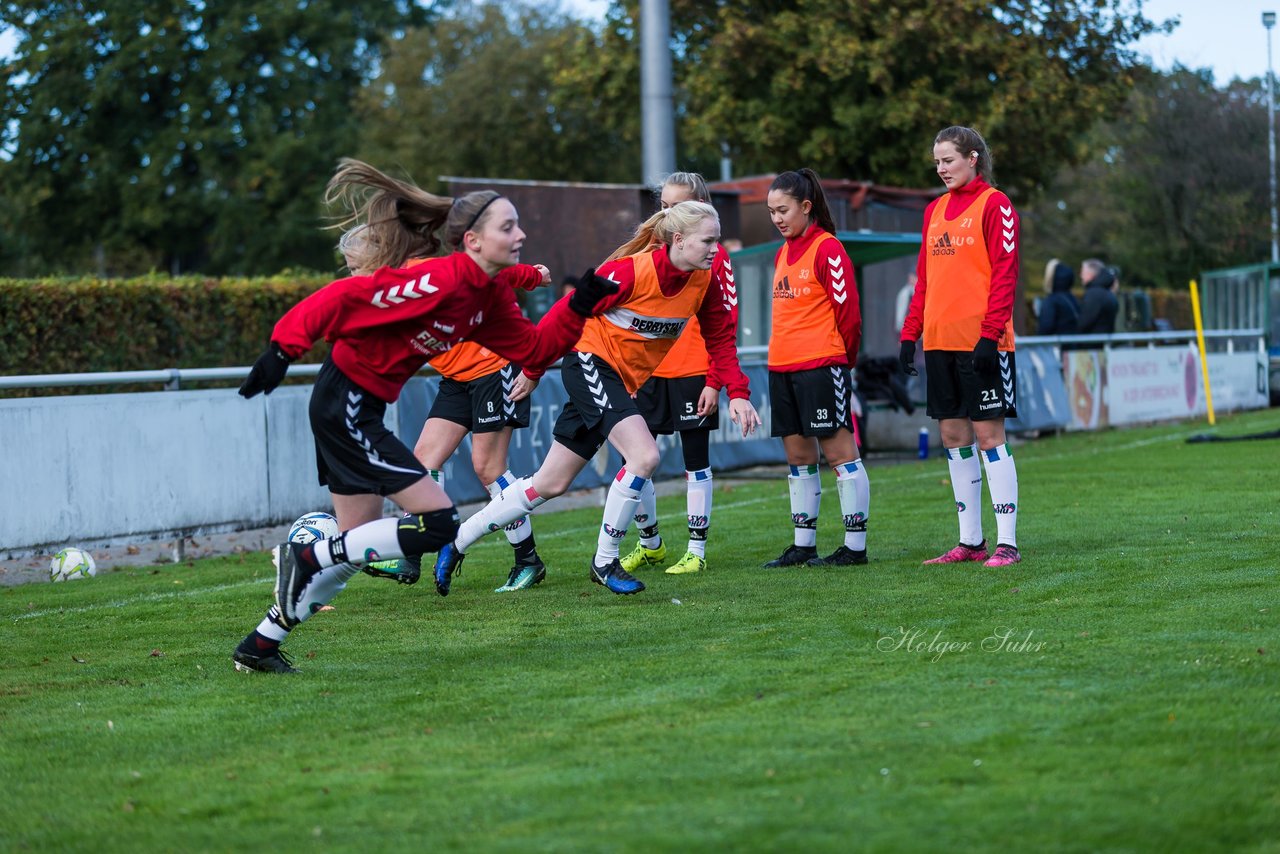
x: 924, y: 443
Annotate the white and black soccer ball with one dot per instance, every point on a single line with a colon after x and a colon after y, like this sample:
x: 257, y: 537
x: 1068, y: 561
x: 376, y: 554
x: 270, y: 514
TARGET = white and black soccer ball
x: 313, y: 526
x: 72, y: 564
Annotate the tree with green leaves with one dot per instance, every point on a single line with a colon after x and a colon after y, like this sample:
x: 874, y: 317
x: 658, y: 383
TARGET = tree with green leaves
x: 858, y: 88
x: 473, y: 95
x: 180, y: 136
x: 1175, y: 184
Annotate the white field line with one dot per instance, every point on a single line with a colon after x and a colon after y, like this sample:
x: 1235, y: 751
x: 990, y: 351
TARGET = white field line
x: 143, y: 597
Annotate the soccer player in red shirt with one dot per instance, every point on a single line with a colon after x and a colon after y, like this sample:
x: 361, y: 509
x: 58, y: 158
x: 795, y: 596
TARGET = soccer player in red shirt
x: 384, y: 327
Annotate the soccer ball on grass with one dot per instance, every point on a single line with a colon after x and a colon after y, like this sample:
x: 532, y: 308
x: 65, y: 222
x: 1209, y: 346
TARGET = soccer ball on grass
x: 71, y: 564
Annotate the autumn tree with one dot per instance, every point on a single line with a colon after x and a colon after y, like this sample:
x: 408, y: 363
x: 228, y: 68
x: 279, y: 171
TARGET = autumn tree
x: 156, y: 133
x: 1176, y: 183
x: 473, y: 95
x: 859, y: 88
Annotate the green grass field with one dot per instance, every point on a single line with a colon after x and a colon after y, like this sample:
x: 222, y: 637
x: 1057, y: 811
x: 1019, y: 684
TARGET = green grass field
x: 1133, y: 706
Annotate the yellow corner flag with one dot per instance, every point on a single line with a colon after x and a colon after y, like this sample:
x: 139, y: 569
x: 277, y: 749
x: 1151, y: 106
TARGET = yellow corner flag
x: 1204, y: 362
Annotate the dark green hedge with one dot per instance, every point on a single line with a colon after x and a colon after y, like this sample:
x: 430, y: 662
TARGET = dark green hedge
x: 54, y: 326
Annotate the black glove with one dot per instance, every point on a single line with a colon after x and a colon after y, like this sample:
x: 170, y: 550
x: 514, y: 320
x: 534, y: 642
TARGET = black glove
x: 266, y: 373
x: 589, y: 291
x: 907, y: 358
x: 986, y: 358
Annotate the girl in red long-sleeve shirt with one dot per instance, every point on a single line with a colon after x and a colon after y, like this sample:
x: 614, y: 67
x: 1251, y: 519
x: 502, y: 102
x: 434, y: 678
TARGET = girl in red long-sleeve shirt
x: 384, y: 327
x: 621, y: 346
x: 813, y: 346
x: 962, y: 308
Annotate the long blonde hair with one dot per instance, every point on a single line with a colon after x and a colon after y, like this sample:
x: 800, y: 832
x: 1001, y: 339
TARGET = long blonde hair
x: 662, y: 227
x: 388, y: 221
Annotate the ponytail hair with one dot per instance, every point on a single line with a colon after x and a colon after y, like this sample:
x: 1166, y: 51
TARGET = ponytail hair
x: 691, y: 181
x: 662, y: 227
x: 389, y: 221
x: 968, y: 141
x: 804, y: 185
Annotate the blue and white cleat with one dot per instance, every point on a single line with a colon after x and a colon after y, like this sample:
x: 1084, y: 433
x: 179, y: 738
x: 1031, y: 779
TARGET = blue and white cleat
x: 448, y: 564
x: 615, y: 578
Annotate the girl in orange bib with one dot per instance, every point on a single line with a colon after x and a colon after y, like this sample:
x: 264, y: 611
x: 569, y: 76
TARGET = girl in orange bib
x: 813, y: 344
x: 660, y: 290
x: 962, y: 310
x: 671, y: 402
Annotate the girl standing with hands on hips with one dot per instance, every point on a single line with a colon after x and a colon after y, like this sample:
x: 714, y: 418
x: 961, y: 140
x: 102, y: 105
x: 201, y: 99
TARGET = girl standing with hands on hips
x: 813, y: 346
x: 962, y: 310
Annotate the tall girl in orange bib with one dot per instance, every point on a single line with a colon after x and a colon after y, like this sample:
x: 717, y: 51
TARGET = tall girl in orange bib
x: 962, y: 310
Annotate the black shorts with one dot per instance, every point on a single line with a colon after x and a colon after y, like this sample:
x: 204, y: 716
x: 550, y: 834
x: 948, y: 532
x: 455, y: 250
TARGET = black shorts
x: 481, y: 404
x: 355, y: 452
x: 597, y: 402
x: 955, y: 389
x: 810, y: 403
x: 670, y: 405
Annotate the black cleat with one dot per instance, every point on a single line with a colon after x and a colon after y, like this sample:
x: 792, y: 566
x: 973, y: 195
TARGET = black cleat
x: 843, y: 556
x: 292, y: 575
x: 270, y: 662
x: 794, y: 556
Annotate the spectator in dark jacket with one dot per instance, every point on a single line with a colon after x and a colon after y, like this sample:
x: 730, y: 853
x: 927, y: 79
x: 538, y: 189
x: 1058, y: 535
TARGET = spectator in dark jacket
x: 1059, y: 311
x: 1099, y: 307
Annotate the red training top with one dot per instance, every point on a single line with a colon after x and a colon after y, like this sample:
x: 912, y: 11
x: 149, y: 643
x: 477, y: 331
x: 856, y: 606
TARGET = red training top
x: 387, y: 325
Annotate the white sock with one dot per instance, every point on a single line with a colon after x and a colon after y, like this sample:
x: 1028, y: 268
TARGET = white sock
x: 509, y: 506
x: 1002, y: 483
x: 269, y: 628
x: 619, y: 509
x: 855, y: 503
x: 372, y: 541
x: 323, y: 586
x: 519, y: 530
x: 698, y: 503
x: 966, y: 485
x: 647, y: 517
x: 806, y: 500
